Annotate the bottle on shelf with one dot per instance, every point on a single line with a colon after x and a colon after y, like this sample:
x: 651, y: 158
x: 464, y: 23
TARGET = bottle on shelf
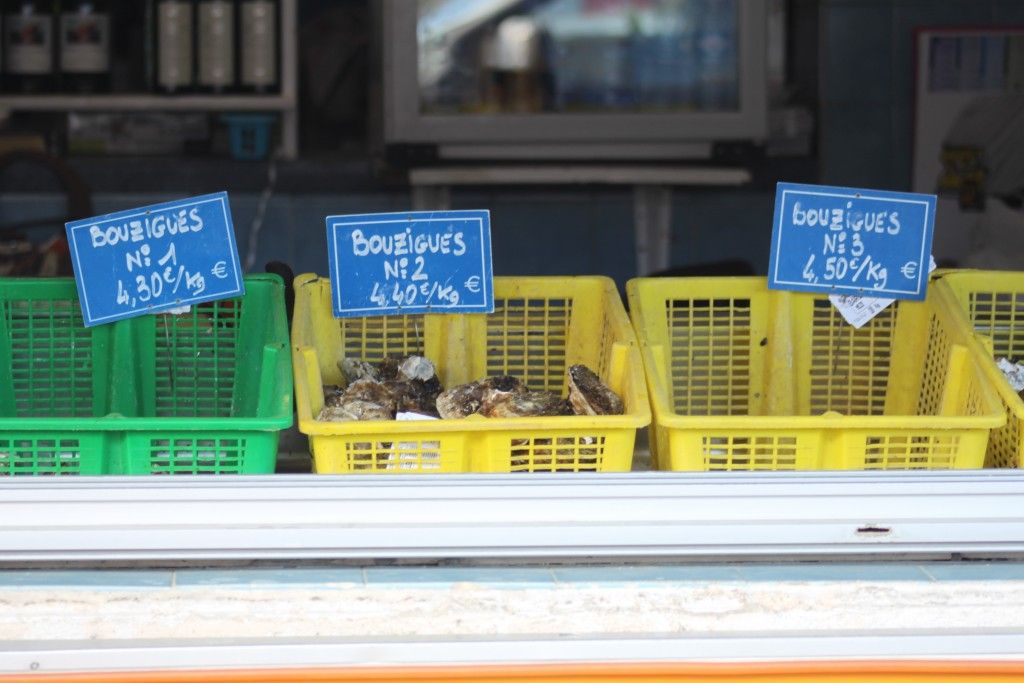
x: 84, y: 45
x: 29, y: 46
x: 174, y: 36
x: 259, y: 45
x: 215, y: 47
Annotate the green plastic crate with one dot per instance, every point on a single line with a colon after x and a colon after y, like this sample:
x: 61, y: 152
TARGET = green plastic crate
x: 201, y: 393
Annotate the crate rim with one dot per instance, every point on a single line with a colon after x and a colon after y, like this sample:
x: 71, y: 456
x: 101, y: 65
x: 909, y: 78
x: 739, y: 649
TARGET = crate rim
x: 282, y: 419
x: 66, y: 279
x: 304, y: 279
x: 308, y: 424
x: 992, y: 417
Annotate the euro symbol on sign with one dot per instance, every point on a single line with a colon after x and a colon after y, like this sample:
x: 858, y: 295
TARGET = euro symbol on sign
x: 473, y: 284
x: 219, y: 270
x: 908, y: 269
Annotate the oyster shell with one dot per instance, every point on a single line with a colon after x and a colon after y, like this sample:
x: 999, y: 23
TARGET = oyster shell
x: 332, y: 394
x: 416, y: 367
x: 467, y: 399
x: 353, y: 370
x: 589, y: 395
x: 524, y: 404
x: 355, y: 409
x: 461, y: 401
x: 370, y: 391
x: 364, y: 399
x: 415, y: 396
x: 379, y: 392
x: 387, y: 368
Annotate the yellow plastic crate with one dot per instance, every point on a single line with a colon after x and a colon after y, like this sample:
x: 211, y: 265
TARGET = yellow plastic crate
x: 994, y: 304
x: 540, y: 326
x: 746, y: 378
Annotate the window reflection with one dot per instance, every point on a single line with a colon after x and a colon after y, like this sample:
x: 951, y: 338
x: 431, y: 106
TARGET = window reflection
x: 584, y: 56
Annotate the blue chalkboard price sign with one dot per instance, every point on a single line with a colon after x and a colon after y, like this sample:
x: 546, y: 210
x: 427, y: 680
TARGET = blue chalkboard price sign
x: 842, y: 240
x: 411, y: 262
x: 155, y: 258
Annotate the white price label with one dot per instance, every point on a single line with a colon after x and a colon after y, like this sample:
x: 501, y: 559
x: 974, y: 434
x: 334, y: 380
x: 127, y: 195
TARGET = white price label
x: 859, y: 310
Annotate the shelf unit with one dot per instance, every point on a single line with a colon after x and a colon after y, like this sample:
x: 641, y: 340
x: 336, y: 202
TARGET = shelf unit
x: 285, y: 102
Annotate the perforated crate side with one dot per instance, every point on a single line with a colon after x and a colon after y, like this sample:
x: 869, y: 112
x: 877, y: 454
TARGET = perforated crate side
x: 197, y: 356
x: 709, y: 344
x: 51, y: 358
x: 387, y: 453
x: 34, y: 453
x: 727, y: 450
x: 199, y: 452
x: 527, y: 337
x: 563, y: 450
x: 907, y: 449
x: 994, y: 303
x: 849, y: 367
x: 378, y: 337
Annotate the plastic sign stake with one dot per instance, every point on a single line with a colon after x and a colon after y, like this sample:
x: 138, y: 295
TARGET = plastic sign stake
x: 410, y: 262
x: 155, y: 259
x: 841, y: 240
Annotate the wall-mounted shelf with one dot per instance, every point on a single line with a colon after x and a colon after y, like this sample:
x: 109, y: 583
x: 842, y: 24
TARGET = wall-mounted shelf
x: 145, y: 102
x: 285, y: 102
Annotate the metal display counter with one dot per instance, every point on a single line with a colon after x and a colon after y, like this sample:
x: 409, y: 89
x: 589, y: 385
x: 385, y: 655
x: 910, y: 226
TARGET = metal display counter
x: 538, y: 517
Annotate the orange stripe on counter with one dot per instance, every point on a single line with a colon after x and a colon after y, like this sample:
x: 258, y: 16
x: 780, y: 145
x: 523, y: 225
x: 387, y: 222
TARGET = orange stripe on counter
x: 775, y: 672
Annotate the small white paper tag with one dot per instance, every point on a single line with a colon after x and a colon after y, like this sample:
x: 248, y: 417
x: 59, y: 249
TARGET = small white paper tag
x: 859, y: 310
x: 179, y: 311
x: 414, y: 416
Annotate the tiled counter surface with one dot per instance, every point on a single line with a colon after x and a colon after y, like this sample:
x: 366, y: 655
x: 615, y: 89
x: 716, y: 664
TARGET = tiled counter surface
x: 368, y: 602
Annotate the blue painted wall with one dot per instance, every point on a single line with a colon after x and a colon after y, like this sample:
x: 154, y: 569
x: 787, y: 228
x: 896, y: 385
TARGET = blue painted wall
x: 866, y: 139
x: 534, y: 233
x: 867, y: 86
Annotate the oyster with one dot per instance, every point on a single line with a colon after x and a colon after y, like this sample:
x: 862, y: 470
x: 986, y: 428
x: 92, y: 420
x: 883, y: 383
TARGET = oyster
x: 379, y: 392
x: 416, y: 387
x: 589, y: 395
x: 496, y: 388
x: 372, y: 392
x: 467, y: 399
x: 355, y: 409
x: 416, y: 367
x: 353, y: 370
x: 460, y: 401
x: 387, y: 368
x: 415, y: 396
x: 332, y: 394
x: 524, y: 404
x: 364, y: 399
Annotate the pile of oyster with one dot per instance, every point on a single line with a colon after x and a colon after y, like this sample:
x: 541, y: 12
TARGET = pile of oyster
x: 408, y: 388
